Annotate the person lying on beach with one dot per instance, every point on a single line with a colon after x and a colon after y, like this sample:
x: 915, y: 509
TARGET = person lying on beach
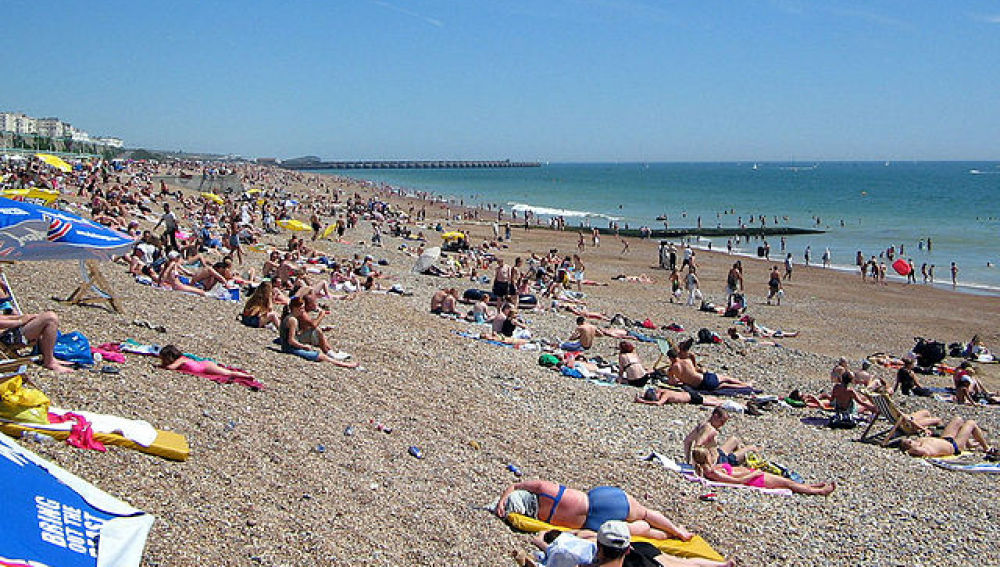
x: 444, y: 301
x: 259, y: 309
x: 584, y: 313
x: 959, y: 435
x: 585, y: 547
x: 705, y: 467
x: 706, y: 434
x: 570, y: 508
x: 171, y: 272
x: 172, y: 358
x: 686, y: 395
x: 641, y: 278
x: 293, y: 341
x: 39, y: 329
x: 682, y: 371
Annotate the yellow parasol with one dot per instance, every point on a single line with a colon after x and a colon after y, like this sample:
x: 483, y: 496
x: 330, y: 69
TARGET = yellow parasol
x: 328, y: 230
x: 55, y: 162
x: 453, y: 235
x: 33, y: 195
x: 213, y: 197
x: 294, y: 225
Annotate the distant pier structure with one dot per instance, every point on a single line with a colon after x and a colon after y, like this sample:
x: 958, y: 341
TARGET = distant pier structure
x: 407, y: 164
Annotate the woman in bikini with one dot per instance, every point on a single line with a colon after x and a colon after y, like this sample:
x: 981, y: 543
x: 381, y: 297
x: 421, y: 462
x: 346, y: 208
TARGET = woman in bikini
x: 171, y: 272
x: 172, y: 359
x: 569, y: 508
x: 959, y: 435
x: 705, y: 466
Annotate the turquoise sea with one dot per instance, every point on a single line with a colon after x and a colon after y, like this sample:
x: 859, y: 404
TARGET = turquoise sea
x: 955, y: 204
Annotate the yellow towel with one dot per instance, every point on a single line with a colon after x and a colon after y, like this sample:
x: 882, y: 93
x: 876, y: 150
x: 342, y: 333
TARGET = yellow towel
x: 697, y: 547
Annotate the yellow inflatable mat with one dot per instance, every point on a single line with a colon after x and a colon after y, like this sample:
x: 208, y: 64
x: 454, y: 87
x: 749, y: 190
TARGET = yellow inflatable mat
x: 168, y: 444
x: 697, y: 547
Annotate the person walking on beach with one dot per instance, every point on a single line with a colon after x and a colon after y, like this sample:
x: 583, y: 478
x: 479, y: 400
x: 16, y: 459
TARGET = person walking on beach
x: 788, y: 266
x: 806, y: 255
x: 692, y: 287
x: 734, y: 281
x: 624, y: 247
x: 911, y: 276
x: 169, y: 222
x: 595, y: 238
x: 579, y: 242
x: 578, y: 269
x: 930, y: 272
x: 826, y: 258
x: 954, y: 273
x: 774, y: 286
x: 859, y: 261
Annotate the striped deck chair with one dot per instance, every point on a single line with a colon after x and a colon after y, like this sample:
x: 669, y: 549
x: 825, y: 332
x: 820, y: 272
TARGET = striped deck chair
x: 901, y: 426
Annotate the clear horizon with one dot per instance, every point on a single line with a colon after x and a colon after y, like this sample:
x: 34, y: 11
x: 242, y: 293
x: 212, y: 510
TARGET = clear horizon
x: 568, y: 81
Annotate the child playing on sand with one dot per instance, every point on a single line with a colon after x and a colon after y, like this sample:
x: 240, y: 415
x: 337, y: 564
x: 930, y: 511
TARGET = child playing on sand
x: 172, y: 359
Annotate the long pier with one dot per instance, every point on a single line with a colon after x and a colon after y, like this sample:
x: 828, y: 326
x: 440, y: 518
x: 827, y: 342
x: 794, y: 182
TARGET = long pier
x: 407, y: 164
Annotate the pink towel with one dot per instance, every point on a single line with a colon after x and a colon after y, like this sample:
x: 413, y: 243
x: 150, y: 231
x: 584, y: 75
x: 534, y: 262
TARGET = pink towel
x: 108, y: 354
x: 82, y: 434
x: 247, y: 382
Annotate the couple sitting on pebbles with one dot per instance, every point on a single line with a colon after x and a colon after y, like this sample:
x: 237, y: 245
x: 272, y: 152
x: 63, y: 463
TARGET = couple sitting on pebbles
x: 721, y: 463
x: 683, y: 371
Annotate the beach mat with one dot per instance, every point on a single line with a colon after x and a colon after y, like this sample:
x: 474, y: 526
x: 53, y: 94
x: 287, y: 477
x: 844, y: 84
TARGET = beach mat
x: 697, y: 547
x: 168, y: 444
x: 748, y: 391
x: 969, y: 465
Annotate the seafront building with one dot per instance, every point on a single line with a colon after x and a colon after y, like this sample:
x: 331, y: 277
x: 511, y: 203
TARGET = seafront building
x: 51, y: 127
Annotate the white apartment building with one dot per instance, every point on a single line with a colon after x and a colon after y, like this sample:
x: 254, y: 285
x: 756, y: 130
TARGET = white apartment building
x: 18, y: 123
x: 109, y: 141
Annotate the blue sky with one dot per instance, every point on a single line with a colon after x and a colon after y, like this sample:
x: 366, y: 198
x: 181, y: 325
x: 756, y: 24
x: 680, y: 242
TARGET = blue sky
x: 554, y: 80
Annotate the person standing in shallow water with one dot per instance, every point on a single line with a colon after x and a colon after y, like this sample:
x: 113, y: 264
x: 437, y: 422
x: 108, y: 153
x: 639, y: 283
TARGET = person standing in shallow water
x: 954, y: 273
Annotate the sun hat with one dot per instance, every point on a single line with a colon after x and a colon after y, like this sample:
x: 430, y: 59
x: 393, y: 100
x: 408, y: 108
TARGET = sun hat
x: 615, y: 534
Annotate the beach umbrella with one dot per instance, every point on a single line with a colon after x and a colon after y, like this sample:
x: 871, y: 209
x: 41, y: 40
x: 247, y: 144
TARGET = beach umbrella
x: 32, y: 195
x: 901, y: 266
x: 213, y: 197
x: 294, y: 225
x: 53, y: 517
x: 34, y: 232
x: 328, y: 230
x: 427, y: 259
x: 453, y: 235
x: 55, y: 162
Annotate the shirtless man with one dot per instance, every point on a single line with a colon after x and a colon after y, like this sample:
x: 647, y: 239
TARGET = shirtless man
x: 663, y: 396
x: 734, y: 281
x: 959, y: 435
x: 706, y: 435
x: 443, y: 301
x: 503, y: 287
x: 583, y: 336
x: 682, y: 371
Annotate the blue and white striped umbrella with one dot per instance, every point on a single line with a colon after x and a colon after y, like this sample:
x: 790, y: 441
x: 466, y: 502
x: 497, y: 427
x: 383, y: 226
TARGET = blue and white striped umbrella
x: 33, y: 232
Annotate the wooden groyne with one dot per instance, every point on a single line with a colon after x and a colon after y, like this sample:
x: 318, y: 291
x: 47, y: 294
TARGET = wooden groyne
x: 429, y: 164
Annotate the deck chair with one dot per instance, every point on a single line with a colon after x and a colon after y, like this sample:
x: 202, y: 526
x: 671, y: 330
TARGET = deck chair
x: 94, y: 289
x: 664, y: 346
x: 888, y: 412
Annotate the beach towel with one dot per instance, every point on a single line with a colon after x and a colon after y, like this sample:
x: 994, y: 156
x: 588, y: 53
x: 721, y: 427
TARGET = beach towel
x: 687, y: 471
x: 135, y: 347
x: 747, y: 391
x: 81, y: 433
x: 696, y: 547
x: 110, y: 352
x: 970, y: 464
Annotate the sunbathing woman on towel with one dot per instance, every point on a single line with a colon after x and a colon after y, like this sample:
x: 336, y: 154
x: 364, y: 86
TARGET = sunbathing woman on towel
x: 172, y: 359
x: 705, y: 467
x: 959, y: 435
x: 569, y: 508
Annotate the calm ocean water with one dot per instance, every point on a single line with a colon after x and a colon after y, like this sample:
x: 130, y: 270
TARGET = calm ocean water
x: 955, y: 204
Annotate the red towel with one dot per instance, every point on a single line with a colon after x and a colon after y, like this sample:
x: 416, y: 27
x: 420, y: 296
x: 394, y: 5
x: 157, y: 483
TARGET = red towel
x: 247, y: 382
x: 82, y: 434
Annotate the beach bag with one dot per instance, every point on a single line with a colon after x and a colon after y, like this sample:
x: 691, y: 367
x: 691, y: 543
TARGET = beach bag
x: 842, y: 420
x: 704, y: 336
x: 929, y: 353
x: 23, y: 404
x: 73, y: 347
